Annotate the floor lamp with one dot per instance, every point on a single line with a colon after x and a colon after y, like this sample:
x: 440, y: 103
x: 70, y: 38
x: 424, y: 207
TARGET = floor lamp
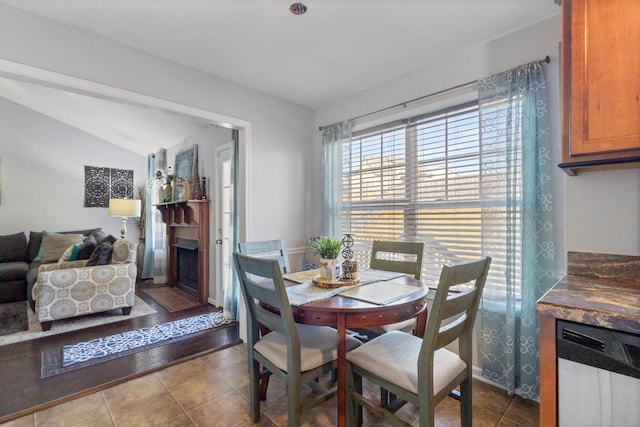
x: 125, y: 208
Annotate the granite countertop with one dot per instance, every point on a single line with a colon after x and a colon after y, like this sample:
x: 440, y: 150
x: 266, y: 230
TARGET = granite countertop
x: 601, y: 290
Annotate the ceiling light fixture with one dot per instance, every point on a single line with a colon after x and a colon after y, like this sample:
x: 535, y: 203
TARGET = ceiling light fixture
x: 298, y: 8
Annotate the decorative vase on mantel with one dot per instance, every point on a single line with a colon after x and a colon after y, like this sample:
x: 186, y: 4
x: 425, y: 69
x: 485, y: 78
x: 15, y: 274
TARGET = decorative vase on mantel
x: 167, y: 192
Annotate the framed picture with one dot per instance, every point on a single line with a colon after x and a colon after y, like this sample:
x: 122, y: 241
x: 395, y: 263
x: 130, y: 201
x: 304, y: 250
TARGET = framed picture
x: 186, y: 167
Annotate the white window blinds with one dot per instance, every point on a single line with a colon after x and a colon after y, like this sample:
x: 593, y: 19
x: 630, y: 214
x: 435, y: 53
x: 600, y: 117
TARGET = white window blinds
x: 419, y: 180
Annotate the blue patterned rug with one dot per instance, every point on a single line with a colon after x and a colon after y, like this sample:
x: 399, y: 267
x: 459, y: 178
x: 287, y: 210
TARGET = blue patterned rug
x: 80, y: 355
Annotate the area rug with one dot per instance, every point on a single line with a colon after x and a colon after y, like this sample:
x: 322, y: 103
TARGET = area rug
x: 87, y: 353
x: 13, y: 317
x: 34, y: 331
x: 171, y: 298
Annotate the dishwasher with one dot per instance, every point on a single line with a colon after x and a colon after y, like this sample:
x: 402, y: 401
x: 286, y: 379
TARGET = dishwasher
x: 598, y: 376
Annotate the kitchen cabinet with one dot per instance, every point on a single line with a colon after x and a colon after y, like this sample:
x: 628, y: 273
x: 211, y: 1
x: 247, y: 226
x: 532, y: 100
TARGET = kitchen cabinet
x: 600, y: 84
x: 599, y: 290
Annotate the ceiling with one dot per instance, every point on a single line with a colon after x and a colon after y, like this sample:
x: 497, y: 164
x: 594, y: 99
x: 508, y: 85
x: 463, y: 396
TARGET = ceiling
x: 336, y: 49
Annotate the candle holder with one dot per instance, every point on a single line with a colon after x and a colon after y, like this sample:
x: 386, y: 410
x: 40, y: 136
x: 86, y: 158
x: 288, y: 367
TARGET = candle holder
x: 349, y: 268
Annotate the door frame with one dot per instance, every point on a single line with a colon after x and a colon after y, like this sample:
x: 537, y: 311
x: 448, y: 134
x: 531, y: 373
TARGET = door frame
x: 217, y: 212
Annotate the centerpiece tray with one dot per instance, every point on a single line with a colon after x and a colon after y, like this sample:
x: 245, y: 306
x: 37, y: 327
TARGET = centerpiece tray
x: 332, y: 284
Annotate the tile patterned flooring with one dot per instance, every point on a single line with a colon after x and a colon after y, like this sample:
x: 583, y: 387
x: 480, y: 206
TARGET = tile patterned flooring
x: 212, y: 390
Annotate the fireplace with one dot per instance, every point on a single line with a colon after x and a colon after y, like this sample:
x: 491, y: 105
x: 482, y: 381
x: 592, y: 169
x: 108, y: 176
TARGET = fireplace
x: 187, y: 224
x: 187, y: 265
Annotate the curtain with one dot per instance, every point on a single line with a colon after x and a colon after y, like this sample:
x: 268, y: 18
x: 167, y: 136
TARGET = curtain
x: 518, y: 208
x: 332, y: 138
x: 159, y: 231
x: 152, y: 196
x: 230, y: 289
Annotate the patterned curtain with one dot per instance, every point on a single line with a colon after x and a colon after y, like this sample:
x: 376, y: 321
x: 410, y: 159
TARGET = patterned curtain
x: 150, y: 200
x: 159, y: 230
x: 517, y: 209
x: 332, y: 138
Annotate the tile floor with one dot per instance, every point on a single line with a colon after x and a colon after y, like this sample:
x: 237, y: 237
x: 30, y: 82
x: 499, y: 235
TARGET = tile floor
x: 212, y: 390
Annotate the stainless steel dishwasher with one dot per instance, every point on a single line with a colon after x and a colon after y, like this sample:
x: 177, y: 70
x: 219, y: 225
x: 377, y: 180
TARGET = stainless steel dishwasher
x: 598, y: 376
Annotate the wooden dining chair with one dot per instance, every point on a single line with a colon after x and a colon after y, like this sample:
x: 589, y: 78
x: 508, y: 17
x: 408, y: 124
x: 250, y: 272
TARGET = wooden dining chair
x: 399, y: 257
x: 271, y: 249
x: 297, y: 353
x: 420, y: 370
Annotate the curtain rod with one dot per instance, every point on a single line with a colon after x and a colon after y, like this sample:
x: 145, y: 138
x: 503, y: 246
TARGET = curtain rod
x: 546, y: 59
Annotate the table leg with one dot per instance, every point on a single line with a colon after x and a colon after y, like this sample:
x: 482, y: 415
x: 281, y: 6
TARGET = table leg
x: 342, y: 370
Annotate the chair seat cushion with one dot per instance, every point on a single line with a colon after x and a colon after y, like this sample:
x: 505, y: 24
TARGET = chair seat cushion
x: 394, y: 357
x: 318, y: 347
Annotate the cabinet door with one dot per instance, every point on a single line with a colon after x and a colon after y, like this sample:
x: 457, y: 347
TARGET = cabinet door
x: 601, y: 66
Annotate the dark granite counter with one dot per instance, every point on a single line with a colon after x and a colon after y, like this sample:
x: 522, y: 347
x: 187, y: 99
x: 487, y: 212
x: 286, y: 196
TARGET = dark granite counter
x: 601, y: 290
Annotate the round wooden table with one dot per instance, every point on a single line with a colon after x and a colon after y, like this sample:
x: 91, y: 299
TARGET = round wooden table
x: 344, y: 313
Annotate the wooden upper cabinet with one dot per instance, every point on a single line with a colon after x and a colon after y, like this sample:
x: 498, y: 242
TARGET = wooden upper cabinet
x: 600, y: 84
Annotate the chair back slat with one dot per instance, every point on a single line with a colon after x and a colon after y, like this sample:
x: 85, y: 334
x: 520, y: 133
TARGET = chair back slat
x: 453, y: 314
x: 268, y: 249
x: 394, y: 261
x: 261, y: 282
x: 459, y: 303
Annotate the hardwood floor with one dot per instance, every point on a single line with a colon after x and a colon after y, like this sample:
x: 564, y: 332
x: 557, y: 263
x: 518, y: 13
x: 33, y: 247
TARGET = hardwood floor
x: 22, y: 391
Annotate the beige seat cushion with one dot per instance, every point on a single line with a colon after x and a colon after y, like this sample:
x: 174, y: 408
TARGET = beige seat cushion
x: 394, y: 357
x: 318, y: 346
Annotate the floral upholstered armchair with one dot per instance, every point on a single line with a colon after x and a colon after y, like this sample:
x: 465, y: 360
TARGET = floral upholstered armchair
x: 72, y: 288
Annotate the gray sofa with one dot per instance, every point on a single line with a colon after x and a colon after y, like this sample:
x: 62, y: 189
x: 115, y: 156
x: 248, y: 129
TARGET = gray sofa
x: 20, y: 260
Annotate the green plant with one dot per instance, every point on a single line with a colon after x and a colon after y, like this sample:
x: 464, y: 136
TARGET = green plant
x: 327, y: 247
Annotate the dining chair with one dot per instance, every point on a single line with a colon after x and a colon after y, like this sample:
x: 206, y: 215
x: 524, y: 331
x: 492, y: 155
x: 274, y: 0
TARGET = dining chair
x: 399, y: 257
x: 420, y: 370
x: 271, y: 249
x: 297, y: 353
x: 310, y: 259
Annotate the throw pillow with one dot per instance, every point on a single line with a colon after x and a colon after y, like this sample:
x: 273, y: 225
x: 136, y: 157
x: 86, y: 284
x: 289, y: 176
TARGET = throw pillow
x: 13, y: 247
x: 88, y: 246
x: 35, y: 242
x: 98, y: 234
x: 108, y: 238
x: 54, y: 245
x: 102, y: 254
x: 71, y: 254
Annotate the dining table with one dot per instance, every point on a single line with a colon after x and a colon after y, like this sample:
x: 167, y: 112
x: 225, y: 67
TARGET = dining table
x: 377, y: 298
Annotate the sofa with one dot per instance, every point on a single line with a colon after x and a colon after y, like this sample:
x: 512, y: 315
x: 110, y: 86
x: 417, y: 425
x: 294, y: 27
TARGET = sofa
x: 20, y: 259
x: 74, y: 288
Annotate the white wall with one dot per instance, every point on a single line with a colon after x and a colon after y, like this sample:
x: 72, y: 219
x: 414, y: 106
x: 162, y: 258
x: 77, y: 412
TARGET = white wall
x: 279, y: 135
x: 602, y: 211
x: 42, y: 174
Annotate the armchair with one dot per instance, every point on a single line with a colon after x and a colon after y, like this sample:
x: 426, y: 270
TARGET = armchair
x: 70, y: 289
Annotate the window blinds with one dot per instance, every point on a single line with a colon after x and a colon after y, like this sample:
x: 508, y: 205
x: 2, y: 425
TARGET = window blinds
x: 419, y: 180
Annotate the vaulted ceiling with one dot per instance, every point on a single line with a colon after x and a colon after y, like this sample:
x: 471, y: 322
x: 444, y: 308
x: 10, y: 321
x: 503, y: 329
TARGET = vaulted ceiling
x: 337, y: 48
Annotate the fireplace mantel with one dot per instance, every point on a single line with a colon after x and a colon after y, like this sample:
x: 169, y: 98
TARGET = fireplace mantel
x: 188, y: 219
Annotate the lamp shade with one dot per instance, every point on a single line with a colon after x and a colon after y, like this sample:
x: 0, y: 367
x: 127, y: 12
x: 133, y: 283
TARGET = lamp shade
x: 125, y: 207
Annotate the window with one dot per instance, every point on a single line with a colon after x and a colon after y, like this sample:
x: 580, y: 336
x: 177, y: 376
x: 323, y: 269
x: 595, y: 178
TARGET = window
x: 419, y: 180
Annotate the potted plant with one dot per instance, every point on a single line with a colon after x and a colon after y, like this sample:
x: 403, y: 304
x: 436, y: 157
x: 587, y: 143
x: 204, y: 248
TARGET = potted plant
x: 329, y: 249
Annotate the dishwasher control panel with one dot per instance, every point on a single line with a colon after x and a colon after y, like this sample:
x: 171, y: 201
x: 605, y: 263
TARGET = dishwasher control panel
x: 603, y: 348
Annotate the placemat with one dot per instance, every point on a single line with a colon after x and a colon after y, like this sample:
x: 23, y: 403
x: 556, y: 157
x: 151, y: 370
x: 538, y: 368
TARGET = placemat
x: 307, y: 292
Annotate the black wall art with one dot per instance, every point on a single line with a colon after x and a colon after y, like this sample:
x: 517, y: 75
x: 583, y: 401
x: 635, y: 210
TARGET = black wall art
x: 102, y: 184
